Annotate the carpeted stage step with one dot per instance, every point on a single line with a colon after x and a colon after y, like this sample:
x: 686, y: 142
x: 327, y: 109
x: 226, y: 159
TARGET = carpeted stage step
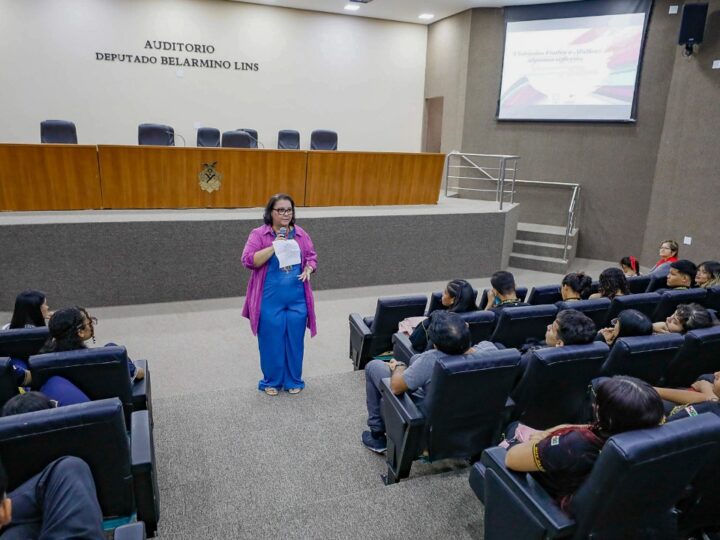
x: 236, y: 463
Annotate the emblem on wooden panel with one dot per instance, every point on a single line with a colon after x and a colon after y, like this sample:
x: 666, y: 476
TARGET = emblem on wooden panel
x: 210, y: 178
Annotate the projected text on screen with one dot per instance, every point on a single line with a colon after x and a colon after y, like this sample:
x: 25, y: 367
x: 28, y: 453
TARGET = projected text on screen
x: 581, y: 68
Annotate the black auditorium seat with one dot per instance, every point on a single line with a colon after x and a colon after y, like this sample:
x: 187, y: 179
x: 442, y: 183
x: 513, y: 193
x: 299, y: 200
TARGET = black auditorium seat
x: 638, y: 284
x: 644, y: 302
x: 699, y: 354
x: 8, y: 384
x: 459, y: 417
x: 436, y: 301
x: 644, y: 357
x: 208, y: 137
x: 670, y: 300
x: 712, y: 300
x: 237, y: 139
x: 371, y: 336
x: 596, y: 309
x: 481, y: 324
x: 630, y: 493
x: 156, y: 135
x: 516, y: 325
x: 288, y: 139
x: 544, y: 294
x: 22, y: 343
x: 122, y: 467
x: 323, y: 139
x: 553, y: 388
x: 58, y: 132
x: 520, y: 292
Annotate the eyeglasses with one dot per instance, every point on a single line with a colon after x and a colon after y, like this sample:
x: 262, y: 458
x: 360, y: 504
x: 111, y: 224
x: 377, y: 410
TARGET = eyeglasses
x: 283, y: 211
x: 613, y: 322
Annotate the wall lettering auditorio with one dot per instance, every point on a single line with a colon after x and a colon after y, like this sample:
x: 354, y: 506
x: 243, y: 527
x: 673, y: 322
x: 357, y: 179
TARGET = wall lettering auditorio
x: 176, y: 53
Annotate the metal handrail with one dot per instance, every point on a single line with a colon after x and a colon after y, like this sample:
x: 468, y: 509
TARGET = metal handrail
x: 500, y: 192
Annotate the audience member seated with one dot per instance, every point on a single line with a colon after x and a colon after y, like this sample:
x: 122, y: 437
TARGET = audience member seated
x: 563, y: 456
x: 502, y: 294
x: 681, y: 275
x: 570, y: 327
x: 686, y: 317
x: 31, y: 310
x: 59, y: 502
x: 668, y: 252
x: 575, y: 286
x: 450, y: 337
x: 708, y: 274
x: 458, y: 297
x: 702, y: 396
x: 629, y: 323
x: 70, y: 328
x: 612, y: 284
x: 630, y: 266
x: 28, y: 402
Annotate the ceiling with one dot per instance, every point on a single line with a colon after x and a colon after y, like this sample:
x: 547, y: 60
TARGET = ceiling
x: 398, y: 10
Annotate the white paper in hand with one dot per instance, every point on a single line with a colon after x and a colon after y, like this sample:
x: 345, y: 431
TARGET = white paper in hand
x: 287, y: 252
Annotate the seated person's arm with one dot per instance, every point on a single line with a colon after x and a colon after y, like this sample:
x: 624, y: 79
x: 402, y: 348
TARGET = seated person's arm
x: 594, y: 296
x: 682, y: 397
x: 397, y: 382
x: 490, y: 299
x: 660, y: 328
x: 521, y: 457
x: 136, y: 373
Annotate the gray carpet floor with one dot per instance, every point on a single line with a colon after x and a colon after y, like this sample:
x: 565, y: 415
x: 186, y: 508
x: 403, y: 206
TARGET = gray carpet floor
x: 235, y: 463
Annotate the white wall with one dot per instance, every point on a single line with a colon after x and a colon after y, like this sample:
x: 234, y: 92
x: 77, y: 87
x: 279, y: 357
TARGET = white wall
x: 363, y: 78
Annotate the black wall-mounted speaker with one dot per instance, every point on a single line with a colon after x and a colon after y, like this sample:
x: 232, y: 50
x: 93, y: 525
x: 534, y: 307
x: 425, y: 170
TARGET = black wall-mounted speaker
x: 692, y: 26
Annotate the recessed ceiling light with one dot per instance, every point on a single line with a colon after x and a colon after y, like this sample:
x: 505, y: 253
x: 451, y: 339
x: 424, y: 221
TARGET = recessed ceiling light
x: 426, y: 16
x: 351, y: 7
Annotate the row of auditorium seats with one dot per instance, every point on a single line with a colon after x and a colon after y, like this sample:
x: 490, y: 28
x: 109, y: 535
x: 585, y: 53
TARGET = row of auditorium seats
x: 512, y: 327
x: 113, y: 433
x: 65, y: 132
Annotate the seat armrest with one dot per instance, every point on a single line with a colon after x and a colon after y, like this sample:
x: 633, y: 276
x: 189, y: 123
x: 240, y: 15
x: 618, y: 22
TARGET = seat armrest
x: 403, y: 405
x: 145, y: 486
x: 358, y: 325
x: 402, y: 348
x: 141, y: 388
x: 131, y: 531
x: 536, y: 500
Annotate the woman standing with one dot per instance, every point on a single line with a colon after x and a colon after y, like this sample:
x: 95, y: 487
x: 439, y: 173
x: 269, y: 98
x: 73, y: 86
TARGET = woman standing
x: 279, y: 300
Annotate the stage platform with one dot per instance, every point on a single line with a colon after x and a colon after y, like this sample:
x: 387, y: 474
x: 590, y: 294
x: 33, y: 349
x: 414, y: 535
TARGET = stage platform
x: 119, y: 257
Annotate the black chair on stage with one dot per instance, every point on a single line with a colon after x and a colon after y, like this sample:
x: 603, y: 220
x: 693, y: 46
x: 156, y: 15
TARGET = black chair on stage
x: 699, y: 354
x: 58, y: 132
x: 22, y: 343
x: 644, y: 302
x: 288, y: 139
x: 208, y: 137
x: 545, y: 294
x: 644, y: 357
x: 156, y: 135
x: 553, y: 388
x: 638, y: 284
x: 122, y: 467
x: 372, y: 336
x: 481, y: 324
x: 631, y: 492
x: 670, y: 300
x: 253, y: 136
x: 101, y: 373
x: 516, y: 325
x: 596, y: 309
x: 237, y: 139
x: 459, y: 417
x: 436, y: 301
x: 520, y: 292
x: 323, y: 139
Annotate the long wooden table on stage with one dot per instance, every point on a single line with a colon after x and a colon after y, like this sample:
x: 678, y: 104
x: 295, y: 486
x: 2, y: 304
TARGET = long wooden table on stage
x: 69, y: 177
x: 49, y: 177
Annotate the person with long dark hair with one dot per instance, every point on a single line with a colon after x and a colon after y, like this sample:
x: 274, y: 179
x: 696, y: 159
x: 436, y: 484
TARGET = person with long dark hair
x: 612, y: 284
x: 279, y: 300
x: 563, y: 456
x: 630, y: 266
x: 708, y: 274
x: 575, y: 286
x: 458, y: 297
x: 31, y: 310
x: 629, y: 323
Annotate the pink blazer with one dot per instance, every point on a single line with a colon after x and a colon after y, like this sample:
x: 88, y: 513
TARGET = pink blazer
x: 261, y: 238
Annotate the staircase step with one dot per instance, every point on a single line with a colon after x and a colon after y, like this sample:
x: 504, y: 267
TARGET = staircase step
x: 544, y: 249
x: 551, y: 234
x: 539, y: 263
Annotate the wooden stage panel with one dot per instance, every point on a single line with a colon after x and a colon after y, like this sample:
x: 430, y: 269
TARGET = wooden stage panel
x: 48, y: 177
x: 372, y: 178
x: 167, y: 177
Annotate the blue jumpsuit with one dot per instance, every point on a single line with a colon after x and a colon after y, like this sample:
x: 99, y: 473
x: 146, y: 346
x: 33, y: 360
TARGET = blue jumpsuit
x: 281, y: 333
